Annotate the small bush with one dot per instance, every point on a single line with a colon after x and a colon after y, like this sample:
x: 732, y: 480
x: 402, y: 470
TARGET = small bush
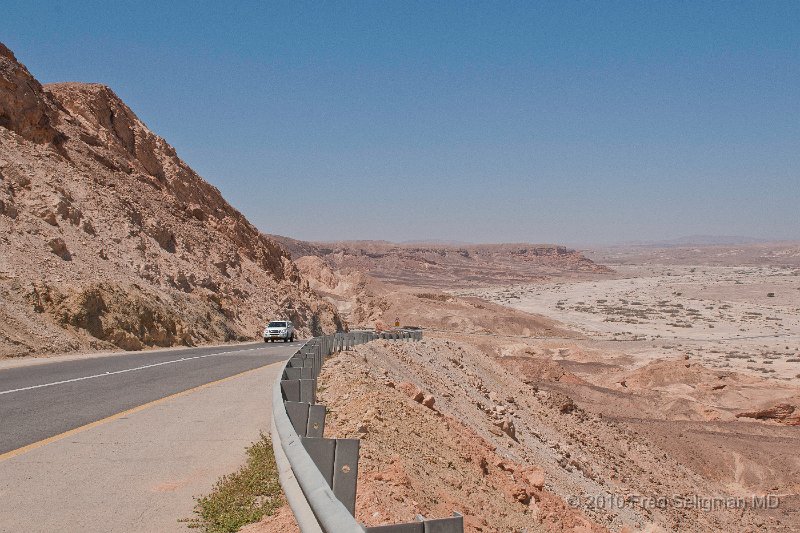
x: 434, y: 296
x: 243, y: 497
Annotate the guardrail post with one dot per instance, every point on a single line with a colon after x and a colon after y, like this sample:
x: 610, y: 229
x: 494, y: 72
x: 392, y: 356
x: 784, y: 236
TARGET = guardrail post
x: 308, y: 420
x: 316, y: 421
x: 322, y: 453
x: 454, y: 524
x: 337, y: 460
x: 345, y: 472
x: 320, y: 461
x: 299, y: 390
x: 290, y: 389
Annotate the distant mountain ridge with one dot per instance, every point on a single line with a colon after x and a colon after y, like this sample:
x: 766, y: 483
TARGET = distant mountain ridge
x: 701, y: 240
x: 445, y: 265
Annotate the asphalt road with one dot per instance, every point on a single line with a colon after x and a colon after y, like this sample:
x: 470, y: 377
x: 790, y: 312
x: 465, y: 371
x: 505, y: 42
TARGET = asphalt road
x: 39, y: 401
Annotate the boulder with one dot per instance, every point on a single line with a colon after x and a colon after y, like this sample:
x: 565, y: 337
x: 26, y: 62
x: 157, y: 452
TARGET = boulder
x: 428, y: 401
x: 534, y: 476
x: 412, y: 391
x: 59, y: 248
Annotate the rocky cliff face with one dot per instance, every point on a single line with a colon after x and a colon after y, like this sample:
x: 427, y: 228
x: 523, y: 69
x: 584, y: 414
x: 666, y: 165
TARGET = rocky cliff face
x: 109, y: 239
x: 24, y: 106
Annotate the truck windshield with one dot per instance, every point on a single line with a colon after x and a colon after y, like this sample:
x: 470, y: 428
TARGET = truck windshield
x: 276, y: 325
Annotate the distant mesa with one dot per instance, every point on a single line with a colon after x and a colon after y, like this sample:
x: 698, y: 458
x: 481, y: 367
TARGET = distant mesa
x: 448, y: 265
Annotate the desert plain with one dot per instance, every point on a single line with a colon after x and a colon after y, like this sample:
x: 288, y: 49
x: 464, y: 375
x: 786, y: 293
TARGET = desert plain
x: 743, y: 318
x: 658, y: 390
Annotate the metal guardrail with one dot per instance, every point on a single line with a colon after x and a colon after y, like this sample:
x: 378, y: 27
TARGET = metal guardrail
x: 319, y: 475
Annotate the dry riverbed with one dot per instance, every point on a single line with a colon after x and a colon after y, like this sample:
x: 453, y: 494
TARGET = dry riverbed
x: 745, y: 319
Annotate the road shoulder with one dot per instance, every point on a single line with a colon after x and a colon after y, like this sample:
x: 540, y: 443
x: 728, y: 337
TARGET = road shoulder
x: 140, y: 471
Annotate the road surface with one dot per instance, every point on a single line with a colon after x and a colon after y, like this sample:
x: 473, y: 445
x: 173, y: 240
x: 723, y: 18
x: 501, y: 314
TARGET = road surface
x: 123, y: 442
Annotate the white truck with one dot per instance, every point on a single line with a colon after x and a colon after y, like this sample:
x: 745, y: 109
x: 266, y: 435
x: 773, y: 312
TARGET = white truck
x: 279, y: 330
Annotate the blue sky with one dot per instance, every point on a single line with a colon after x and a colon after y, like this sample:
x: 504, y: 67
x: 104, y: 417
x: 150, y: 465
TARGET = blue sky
x: 576, y: 122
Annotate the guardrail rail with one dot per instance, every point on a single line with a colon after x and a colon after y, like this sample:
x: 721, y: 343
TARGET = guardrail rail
x: 318, y: 474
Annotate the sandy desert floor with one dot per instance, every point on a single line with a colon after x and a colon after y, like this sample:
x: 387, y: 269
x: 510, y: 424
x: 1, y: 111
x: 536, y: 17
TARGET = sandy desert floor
x: 745, y: 319
x: 674, y: 382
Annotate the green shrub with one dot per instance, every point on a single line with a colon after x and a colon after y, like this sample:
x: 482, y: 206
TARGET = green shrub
x: 243, y: 497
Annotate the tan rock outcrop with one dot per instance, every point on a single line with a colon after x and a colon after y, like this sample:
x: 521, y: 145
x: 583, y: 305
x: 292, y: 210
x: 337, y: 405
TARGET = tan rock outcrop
x: 784, y: 413
x: 24, y: 107
x: 110, y: 240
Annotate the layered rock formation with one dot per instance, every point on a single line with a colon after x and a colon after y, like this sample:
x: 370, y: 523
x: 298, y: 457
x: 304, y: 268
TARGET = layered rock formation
x: 446, y: 266
x: 366, y: 302
x: 110, y: 240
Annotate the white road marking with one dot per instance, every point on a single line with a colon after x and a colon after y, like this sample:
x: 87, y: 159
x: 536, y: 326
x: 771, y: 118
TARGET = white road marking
x: 124, y: 371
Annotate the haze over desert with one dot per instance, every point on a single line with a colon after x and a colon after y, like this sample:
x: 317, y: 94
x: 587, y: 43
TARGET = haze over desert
x: 400, y: 267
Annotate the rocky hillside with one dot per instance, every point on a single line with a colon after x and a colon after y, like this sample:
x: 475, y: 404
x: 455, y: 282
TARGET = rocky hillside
x: 109, y: 240
x: 366, y: 302
x: 444, y: 426
x: 447, y: 266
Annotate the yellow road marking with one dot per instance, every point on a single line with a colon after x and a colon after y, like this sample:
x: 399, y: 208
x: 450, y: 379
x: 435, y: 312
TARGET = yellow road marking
x: 54, y: 438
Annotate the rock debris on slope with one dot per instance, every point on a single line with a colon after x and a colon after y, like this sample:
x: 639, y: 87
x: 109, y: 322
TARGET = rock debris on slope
x: 509, y: 456
x: 109, y: 240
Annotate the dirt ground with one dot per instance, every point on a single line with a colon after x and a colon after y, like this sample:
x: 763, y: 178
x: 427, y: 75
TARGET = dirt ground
x: 671, y: 404
x: 518, y: 447
x: 744, y: 319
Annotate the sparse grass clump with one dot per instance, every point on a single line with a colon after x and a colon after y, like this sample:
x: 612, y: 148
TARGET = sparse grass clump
x: 433, y: 296
x: 243, y: 497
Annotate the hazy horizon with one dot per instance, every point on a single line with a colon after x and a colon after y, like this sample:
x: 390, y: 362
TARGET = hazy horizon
x: 599, y: 123
x: 685, y: 240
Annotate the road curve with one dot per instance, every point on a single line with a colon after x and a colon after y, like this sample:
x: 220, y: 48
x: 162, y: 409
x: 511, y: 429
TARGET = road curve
x: 39, y: 401
x: 123, y: 443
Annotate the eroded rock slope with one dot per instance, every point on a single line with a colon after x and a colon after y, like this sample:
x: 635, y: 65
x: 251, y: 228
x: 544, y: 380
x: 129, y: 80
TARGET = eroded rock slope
x: 110, y: 240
